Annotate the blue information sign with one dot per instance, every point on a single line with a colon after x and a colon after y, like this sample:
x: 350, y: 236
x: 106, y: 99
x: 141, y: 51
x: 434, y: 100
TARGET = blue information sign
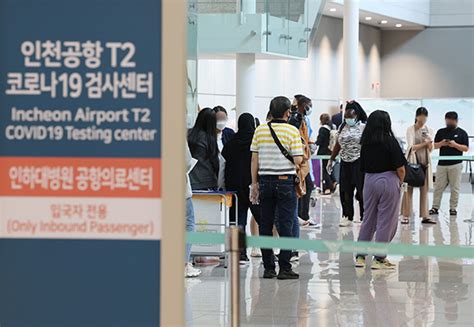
x: 80, y: 162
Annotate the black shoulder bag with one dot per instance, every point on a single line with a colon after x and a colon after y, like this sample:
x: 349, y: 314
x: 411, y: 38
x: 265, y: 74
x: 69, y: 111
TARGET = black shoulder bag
x: 415, y: 174
x: 283, y: 150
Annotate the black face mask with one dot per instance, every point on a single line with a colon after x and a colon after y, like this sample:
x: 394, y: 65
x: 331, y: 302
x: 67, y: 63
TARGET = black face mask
x: 294, y: 108
x: 451, y: 127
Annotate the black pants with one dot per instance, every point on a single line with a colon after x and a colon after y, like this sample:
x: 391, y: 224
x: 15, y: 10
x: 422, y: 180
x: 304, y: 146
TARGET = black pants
x: 277, y: 193
x: 328, y: 180
x: 242, y: 212
x: 352, y: 179
x: 303, y: 202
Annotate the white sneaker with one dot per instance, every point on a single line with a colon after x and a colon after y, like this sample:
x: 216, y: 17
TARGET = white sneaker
x: 256, y: 253
x: 295, y: 256
x: 345, y: 222
x: 314, y: 224
x: 190, y: 271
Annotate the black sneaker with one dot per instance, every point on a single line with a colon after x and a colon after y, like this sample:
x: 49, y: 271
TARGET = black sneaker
x: 287, y: 274
x: 434, y: 211
x: 269, y: 273
x: 244, y: 258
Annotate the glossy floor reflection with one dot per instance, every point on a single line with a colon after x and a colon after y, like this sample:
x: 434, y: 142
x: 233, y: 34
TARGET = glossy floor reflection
x: 423, y: 291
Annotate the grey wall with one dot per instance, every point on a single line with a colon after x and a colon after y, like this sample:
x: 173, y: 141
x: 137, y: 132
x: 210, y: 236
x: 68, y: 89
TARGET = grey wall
x: 432, y: 63
x: 452, y: 12
x: 326, y: 56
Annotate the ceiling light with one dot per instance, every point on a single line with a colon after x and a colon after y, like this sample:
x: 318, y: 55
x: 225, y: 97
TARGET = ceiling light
x: 332, y: 9
x: 384, y: 21
x: 368, y: 18
x: 398, y: 25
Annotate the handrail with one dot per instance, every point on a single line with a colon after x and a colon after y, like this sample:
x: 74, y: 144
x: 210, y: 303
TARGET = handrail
x: 343, y: 246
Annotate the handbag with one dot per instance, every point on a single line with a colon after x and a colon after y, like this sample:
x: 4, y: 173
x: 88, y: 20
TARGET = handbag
x: 415, y: 174
x: 300, y: 183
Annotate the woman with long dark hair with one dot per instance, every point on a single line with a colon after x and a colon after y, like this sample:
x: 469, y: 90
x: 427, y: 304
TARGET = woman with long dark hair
x: 383, y: 163
x: 202, y: 140
x: 420, y: 144
x: 348, y: 146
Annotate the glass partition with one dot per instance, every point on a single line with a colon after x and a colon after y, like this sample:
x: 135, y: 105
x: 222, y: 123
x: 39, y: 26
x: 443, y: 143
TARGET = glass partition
x: 286, y: 24
x: 192, y: 64
x: 289, y: 25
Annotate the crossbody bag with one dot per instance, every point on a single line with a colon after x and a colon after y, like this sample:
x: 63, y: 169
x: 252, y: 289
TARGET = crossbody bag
x: 300, y: 185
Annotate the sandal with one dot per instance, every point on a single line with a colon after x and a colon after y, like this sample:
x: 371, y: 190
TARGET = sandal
x: 453, y: 212
x: 434, y: 211
x: 405, y: 221
x: 428, y: 221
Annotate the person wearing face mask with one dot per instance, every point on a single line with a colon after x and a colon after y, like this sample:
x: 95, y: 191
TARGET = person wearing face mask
x: 224, y: 135
x: 420, y: 143
x: 304, y: 109
x: 299, y: 118
x: 452, y: 141
x: 348, y: 146
x: 277, y: 151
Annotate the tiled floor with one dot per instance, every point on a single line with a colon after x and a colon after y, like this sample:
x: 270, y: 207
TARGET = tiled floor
x: 423, y: 291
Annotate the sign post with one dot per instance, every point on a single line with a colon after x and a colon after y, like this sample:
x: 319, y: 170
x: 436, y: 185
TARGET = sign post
x: 81, y: 149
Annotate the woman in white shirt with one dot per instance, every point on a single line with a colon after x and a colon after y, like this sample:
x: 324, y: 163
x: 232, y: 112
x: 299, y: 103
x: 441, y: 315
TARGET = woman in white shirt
x: 419, y: 146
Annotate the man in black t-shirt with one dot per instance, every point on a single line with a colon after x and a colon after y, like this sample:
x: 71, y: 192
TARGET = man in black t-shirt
x: 452, y: 141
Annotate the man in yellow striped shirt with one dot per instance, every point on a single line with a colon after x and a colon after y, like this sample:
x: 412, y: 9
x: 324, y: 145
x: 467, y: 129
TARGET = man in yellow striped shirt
x: 273, y: 182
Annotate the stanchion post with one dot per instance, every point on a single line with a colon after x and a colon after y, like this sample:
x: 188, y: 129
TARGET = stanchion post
x: 235, y: 242
x: 321, y: 172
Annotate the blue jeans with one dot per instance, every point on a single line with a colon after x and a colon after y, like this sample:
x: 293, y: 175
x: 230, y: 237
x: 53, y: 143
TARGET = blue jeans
x: 277, y: 194
x: 190, y: 225
x: 296, y: 225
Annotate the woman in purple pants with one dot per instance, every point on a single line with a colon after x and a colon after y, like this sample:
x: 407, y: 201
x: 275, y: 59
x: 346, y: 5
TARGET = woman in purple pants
x: 383, y: 163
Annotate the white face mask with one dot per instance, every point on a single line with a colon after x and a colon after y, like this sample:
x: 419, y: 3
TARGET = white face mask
x: 221, y: 124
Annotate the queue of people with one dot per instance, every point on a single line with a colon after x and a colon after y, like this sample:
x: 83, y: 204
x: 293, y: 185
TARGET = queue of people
x: 269, y: 168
